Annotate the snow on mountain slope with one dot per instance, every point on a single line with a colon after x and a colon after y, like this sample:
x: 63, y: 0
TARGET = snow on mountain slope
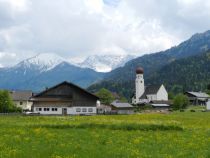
x: 100, y: 63
x: 42, y: 62
x: 105, y: 63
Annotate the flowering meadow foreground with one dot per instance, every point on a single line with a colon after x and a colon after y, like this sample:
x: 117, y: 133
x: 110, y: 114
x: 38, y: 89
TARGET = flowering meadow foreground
x: 175, y: 135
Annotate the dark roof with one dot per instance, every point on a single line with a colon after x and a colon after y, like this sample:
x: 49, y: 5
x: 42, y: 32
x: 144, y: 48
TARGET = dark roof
x: 121, y: 105
x: 66, y: 83
x: 21, y: 95
x: 150, y: 90
x: 161, y: 102
x: 139, y: 70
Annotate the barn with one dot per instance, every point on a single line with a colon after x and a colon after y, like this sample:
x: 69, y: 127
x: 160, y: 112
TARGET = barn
x: 65, y: 99
x: 197, y: 98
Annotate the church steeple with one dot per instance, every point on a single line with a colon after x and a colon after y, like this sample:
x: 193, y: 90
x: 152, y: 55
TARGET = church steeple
x: 139, y: 83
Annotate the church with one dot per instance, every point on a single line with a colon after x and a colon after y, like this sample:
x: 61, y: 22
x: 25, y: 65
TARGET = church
x: 146, y: 94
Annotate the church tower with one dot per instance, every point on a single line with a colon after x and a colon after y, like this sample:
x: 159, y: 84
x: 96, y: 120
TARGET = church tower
x: 139, y: 83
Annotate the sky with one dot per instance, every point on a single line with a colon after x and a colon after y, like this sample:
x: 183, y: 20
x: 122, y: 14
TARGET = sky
x: 79, y: 28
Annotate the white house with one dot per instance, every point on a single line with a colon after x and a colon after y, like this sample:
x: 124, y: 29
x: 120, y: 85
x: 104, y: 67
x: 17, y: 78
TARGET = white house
x: 22, y: 99
x: 65, y: 99
x: 208, y: 105
x: 146, y: 94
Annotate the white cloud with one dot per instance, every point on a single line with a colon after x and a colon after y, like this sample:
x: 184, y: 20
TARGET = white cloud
x: 79, y: 28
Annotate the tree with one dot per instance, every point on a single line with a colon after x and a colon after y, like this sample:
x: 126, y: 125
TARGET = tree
x: 208, y: 89
x: 170, y: 95
x: 180, y: 102
x: 6, y: 103
x: 105, y: 96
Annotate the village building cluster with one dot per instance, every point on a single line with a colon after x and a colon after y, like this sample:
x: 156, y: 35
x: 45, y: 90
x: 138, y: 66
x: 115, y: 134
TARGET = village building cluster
x: 69, y: 99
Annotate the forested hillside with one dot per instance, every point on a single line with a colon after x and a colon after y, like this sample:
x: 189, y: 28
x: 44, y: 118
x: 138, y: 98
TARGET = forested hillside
x: 121, y: 80
x: 191, y: 73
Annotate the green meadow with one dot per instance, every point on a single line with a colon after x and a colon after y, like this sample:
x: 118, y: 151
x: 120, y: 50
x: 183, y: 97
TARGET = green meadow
x: 175, y: 135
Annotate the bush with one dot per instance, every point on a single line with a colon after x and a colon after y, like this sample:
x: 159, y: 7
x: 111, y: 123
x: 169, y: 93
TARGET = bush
x: 6, y: 103
x: 105, y: 96
x: 180, y: 102
x: 192, y: 110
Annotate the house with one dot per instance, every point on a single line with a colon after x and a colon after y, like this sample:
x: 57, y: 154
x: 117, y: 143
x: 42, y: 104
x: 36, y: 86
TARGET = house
x: 145, y: 94
x: 208, y: 105
x: 65, y: 99
x: 104, y: 109
x: 22, y: 99
x: 197, y: 98
x: 121, y: 108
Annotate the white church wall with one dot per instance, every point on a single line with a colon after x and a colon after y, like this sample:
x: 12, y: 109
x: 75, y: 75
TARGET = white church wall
x: 162, y: 94
x: 152, y: 97
x: 139, y: 85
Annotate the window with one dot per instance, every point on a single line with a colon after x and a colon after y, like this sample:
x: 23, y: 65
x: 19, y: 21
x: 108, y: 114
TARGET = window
x: 21, y: 103
x: 90, y: 109
x: 84, y: 110
x: 37, y: 109
x: 54, y: 109
x: 46, y: 109
x: 40, y: 109
x: 78, y: 110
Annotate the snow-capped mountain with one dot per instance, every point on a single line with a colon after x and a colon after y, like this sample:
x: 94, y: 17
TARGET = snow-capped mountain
x: 105, y: 63
x: 45, y: 70
x: 42, y: 62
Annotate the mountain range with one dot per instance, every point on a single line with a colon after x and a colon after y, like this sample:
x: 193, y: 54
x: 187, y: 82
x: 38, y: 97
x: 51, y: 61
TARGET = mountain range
x: 47, y: 69
x: 104, y: 63
x: 178, y: 68
x: 183, y: 67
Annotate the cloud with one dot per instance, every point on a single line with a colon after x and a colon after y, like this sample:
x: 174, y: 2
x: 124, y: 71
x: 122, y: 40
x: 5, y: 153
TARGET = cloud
x: 72, y: 28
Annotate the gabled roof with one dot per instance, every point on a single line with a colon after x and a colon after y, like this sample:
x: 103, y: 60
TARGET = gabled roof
x: 149, y: 90
x: 65, y: 83
x: 21, y: 95
x: 153, y: 89
x: 121, y: 105
x: 199, y: 94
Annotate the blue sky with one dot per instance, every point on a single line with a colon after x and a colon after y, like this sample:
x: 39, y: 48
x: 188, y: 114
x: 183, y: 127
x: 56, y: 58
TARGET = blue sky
x: 79, y: 28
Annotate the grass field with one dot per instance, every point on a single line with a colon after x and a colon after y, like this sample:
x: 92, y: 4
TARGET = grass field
x: 175, y: 135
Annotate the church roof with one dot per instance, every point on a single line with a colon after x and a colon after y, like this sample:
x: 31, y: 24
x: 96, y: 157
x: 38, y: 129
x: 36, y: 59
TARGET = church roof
x: 149, y: 90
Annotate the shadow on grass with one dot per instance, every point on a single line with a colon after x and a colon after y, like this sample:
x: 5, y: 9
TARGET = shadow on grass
x: 126, y: 127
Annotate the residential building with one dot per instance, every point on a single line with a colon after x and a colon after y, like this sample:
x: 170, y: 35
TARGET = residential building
x: 65, y: 99
x: 197, y: 98
x: 121, y: 108
x: 22, y: 99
